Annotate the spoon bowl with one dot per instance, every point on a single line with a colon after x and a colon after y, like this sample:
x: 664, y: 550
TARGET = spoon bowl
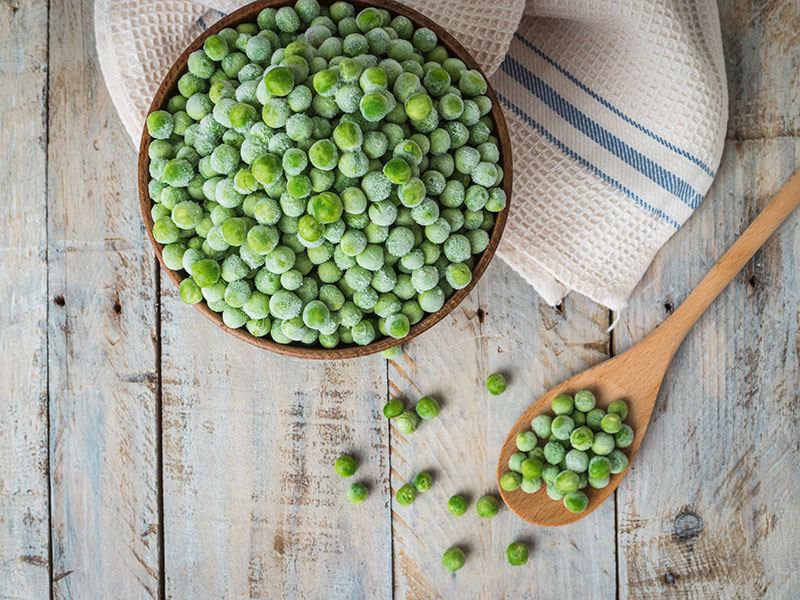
x: 621, y: 377
x: 636, y: 375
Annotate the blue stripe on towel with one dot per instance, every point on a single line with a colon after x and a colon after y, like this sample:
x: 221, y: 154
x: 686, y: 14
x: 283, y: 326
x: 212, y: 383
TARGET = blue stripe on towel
x: 666, y: 143
x: 590, y: 128
x: 586, y: 164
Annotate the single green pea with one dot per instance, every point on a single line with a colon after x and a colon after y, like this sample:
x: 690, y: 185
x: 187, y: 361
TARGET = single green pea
x: 594, y: 418
x: 427, y: 408
x: 566, y: 481
x: 510, y: 481
x: 541, y: 425
x: 453, y: 559
x: 406, y: 495
x: 531, y: 468
x: 279, y: 81
x: 581, y: 438
x: 562, y: 404
x: 562, y: 427
x: 599, y: 467
x: 611, y: 423
x: 526, y: 441
x: 406, y: 422
x: 576, y: 502
x: 554, y: 452
x: 517, y: 554
x: 457, y: 505
x: 496, y: 384
x: 619, y: 407
x: 618, y: 460
x: 423, y: 481
x: 624, y: 437
x: 393, y: 408
x: 585, y: 401
x: 345, y: 465
x: 603, y: 443
x: 190, y: 292
x: 357, y: 493
x: 487, y: 506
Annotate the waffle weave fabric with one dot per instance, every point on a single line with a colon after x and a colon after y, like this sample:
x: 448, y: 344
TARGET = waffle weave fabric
x: 617, y: 111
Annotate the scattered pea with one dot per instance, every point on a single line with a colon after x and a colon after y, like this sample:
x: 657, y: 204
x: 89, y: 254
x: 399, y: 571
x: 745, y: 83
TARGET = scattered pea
x: 517, y: 554
x: 357, y: 493
x: 345, y: 465
x: 423, y: 481
x: 393, y: 408
x: 453, y: 559
x: 495, y: 383
x: 406, y: 494
x: 457, y: 505
x: 427, y: 408
x: 487, y: 506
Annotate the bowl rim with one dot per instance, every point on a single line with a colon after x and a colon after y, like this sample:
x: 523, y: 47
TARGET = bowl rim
x: 168, y: 87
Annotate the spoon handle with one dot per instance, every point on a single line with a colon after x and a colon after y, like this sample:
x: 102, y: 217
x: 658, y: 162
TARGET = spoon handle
x: 675, y: 328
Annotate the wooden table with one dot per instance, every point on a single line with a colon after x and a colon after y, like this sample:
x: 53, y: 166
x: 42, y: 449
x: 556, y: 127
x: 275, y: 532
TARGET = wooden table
x: 145, y: 454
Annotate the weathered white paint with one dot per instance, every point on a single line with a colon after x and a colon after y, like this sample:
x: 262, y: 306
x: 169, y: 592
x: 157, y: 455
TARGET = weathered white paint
x: 24, y: 522
x: 102, y: 351
x: 252, y: 505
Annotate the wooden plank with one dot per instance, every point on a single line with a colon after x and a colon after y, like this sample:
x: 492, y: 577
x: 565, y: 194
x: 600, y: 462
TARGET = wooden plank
x: 103, y: 396
x: 252, y: 506
x: 24, y: 518
x: 502, y: 326
x: 708, y: 507
x: 762, y: 58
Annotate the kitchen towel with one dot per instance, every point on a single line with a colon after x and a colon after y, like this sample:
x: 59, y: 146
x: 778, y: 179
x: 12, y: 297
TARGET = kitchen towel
x: 617, y: 111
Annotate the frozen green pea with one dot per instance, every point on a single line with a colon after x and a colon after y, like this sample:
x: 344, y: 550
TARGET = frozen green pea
x: 457, y: 505
x: 487, y: 506
x: 619, y: 407
x: 459, y: 276
x: 585, y: 401
x: 496, y: 384
x: 427, y: 408
x: 603, y: 443
x: 562, y: 427
x: 581, y: 438
x: 526, y: 441
x: 357, y: 493
x: 530, y: 486
x: 406, y: 494
x: 407, y: 421
x: 453, y: 559
x: 517, y: 554
x: 611, y: 423
x: 624, y: 437
x: 594, y: 418
x: 510, y: 481
x: 541, y: 426
x: 562, y: 404
x: 577, y: 460
x: 554, y: 452
x: 566, y: 481
x: 618, y: 461
x: 393, y: 407
x: 531, y: 468
x: 516, y: 460
x: 423, y: 481
x: 576, y: 501
x: 345, y: 466
x: 323, y: 155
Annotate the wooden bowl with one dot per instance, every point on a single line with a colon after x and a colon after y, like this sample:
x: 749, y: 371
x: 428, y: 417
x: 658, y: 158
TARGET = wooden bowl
x: 169, y: 87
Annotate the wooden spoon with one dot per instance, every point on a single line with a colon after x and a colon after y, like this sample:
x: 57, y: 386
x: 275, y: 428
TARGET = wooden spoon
x: 636, y: 374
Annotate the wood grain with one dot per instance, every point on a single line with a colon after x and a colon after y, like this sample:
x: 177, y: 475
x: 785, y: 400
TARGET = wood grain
x: 102, y: 352
x: 253, y: 508
x: 707, y: 507
x: 168, y: 87
x: 762, y: 59
x: 24, y: 518
x: 502, y: 326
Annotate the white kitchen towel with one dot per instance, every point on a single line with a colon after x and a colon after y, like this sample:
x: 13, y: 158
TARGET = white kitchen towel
x: 617, y: 111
